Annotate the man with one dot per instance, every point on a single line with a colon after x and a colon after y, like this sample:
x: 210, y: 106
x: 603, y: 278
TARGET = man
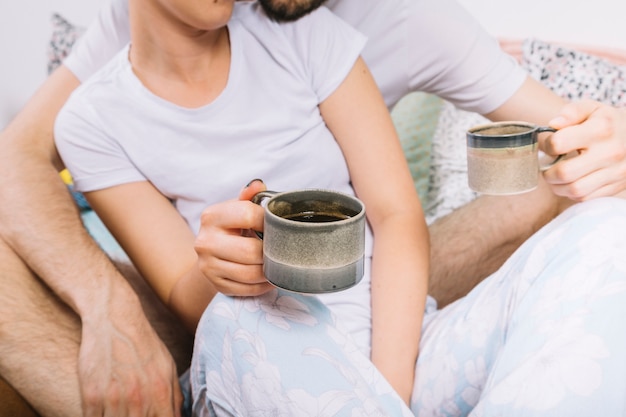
x: 100, y: 356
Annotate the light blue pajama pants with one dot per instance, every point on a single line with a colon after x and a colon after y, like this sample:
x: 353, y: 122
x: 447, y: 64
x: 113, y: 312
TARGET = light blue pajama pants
x: 543, y: 336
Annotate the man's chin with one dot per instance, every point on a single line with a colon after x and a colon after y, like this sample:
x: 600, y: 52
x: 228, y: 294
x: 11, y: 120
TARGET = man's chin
x: 289, y: 10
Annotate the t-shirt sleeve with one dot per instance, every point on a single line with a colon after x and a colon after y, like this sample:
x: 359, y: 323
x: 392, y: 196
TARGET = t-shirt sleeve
x: 94, y: 159
x: 455, y: 58
x: 328, y: 47
x: 109, y: 33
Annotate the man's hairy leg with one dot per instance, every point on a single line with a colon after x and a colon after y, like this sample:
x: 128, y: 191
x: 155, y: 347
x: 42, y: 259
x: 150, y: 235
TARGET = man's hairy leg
x: 472, y: 242
x: 122, y: 365
x: 40, y: 336
x: 39, y: 340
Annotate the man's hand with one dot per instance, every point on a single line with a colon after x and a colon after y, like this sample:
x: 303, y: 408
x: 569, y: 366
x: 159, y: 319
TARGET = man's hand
x: 125, y: 370
x: 228, y: 254
x: 596, y: 132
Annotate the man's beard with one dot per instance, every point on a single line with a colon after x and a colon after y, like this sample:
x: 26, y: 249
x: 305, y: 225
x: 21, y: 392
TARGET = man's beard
x: 289, y: 10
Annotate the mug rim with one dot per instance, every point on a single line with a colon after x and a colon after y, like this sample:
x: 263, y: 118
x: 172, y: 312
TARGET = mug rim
x: 476, y: 139
x: 331, y: 224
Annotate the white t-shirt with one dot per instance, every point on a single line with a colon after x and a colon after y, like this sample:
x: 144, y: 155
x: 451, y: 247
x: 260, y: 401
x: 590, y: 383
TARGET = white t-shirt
x: 434, y: 46
x: 265, y: 124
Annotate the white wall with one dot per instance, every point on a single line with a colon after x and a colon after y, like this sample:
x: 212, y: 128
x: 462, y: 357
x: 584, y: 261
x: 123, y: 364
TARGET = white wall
x: 591, y: 23
x: 24, y: 33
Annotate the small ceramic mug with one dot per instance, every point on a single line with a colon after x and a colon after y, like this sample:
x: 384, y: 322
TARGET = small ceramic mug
x: 313, y: 240
x: 503, y: 157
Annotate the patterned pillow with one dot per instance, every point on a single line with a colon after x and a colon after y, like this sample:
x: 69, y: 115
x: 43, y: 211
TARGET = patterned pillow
x: 64, y: 35
x: 573, y: 74
x: 570, y: 73
x: 448, y: 189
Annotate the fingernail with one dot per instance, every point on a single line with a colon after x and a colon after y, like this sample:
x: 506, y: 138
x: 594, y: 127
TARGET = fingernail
x: 256, y: 179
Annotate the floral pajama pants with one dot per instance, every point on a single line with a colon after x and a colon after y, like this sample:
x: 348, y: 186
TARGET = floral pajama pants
x: 543, y: 336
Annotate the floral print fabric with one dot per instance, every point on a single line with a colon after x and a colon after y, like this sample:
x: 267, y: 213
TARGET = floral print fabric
x: 282, y: 354
x: 541, y: 337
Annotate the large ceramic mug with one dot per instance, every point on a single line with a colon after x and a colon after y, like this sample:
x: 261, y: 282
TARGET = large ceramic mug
x: 313, y: 240
x: 502, y: 157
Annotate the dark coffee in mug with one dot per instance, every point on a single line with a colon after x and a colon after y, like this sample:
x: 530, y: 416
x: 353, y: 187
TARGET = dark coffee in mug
x: 317, y: 217
x: 313, y: 240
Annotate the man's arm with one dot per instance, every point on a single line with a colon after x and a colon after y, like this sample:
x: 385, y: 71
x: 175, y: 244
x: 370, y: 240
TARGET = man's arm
x: 40, y: 223
x: 591, y: 133
x: 474, y: 241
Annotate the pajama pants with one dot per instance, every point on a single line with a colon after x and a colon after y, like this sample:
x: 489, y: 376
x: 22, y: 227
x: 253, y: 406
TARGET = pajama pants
x: 543, y: 336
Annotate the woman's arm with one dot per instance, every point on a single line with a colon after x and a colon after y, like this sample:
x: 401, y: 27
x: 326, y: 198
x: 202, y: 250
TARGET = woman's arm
x: 160, y: 244
x: 360, y: 121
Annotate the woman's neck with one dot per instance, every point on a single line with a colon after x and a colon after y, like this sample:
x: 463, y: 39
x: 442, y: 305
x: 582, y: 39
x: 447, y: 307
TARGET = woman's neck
x: 178, y: 63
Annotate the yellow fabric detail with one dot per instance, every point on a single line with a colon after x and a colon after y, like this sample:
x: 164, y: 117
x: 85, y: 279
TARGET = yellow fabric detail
x: 66, y: 177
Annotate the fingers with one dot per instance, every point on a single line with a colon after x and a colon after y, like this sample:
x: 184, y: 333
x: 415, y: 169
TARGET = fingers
x: 233, y: 264
x: 594, y: 137
x: 227, y: 255
x: 239, y: 288
x: 232, y: 216
x: 145, y: 394
x: 599, y: 182
x: 233, y: 255
x: 574, y: 113
x: 577, y: 127
x: 124, y: 368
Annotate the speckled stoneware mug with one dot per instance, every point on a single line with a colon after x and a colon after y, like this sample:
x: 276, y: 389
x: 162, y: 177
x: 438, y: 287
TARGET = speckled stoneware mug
x: 502, y: 157
x: 313, y: 240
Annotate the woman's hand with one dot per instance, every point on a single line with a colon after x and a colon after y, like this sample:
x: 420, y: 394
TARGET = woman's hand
x: 229, y: 255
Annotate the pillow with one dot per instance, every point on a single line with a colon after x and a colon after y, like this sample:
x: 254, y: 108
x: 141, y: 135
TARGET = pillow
x: 448, y: 188
x: 574, y: 74
x: 415, y: 118
x: 64, y: 35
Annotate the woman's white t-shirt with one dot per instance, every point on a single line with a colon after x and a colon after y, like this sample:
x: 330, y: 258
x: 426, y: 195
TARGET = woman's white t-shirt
x: 265, y: 124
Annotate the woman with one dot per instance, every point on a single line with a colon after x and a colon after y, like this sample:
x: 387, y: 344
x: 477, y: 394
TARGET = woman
x: 207, y: 96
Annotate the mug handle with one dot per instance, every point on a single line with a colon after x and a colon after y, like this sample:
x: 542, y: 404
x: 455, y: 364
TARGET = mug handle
x: 258, y: 199
x: 542, y: 129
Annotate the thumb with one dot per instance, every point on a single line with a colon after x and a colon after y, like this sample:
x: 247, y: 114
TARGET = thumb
x: 574, y: 113
x: 251, y: 189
